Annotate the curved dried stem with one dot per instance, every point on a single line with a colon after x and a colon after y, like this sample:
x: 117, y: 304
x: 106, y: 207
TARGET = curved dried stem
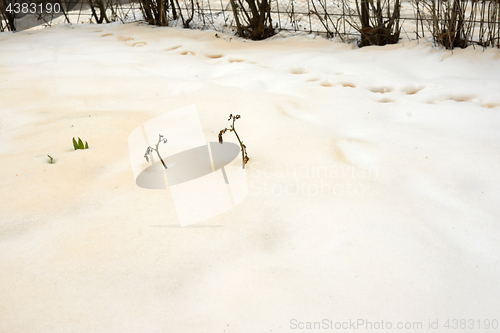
x: 244, y: 156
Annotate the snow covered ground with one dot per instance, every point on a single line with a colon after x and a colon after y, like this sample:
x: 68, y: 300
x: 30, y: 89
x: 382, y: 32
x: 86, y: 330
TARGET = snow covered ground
x: 373, y: 185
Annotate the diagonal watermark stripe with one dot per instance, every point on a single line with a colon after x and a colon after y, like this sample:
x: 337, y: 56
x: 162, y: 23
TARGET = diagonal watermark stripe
x: 205, y: 179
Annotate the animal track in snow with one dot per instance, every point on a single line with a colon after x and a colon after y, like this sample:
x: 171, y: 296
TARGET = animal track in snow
x: 462, y: 97
x: 188, y: 53
x: 380, y: 90
x: 124, y: 38
x: 411, y: 90
x: 490, y: 105
x: 348, y: 85
x: 459, y: 98
x: 105, y: 35
x: 214, y: 56
x: 235, y: 60
x: 327, y: 83
x: 386, y: 100
x: 298, y: 70
x: 313, y: 79
x: 139, y: 44
x: 173, y: 48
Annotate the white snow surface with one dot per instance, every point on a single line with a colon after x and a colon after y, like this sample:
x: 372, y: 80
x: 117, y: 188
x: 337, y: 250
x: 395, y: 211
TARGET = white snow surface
x: 373, y: 183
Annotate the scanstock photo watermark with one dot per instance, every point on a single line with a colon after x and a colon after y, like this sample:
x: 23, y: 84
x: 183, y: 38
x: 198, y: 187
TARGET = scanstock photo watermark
x: 204, y: 178
x: 457, y: 325
x: 311, y: 180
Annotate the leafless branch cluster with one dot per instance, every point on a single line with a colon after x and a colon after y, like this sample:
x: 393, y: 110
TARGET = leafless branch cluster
x: 459, y: 23
x: 253, y: 18
x: 244, y: 156
x: 159, y: 12
x: 450, y: 23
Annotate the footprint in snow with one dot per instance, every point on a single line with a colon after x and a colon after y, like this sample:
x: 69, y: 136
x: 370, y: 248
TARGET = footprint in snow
x: 411, y: 90
x: 348, y: 85
x: 490, y: 105
x: 299, y: 70
x: 387, y: 100
x: 459, y: 98
x: 173, y: 48
x: 125, y: 38
x: 462, y: 97
x: 380, y: 90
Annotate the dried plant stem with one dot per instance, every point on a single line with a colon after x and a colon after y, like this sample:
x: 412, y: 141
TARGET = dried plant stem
x: 150, y: 149
x: 244, y: 156
x: 243, y: 147
x: 159, y: 156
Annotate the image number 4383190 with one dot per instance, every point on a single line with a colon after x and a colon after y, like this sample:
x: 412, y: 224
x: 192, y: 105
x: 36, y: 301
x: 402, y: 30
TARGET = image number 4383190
x: 26, y: 14
x: 20, y: 8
